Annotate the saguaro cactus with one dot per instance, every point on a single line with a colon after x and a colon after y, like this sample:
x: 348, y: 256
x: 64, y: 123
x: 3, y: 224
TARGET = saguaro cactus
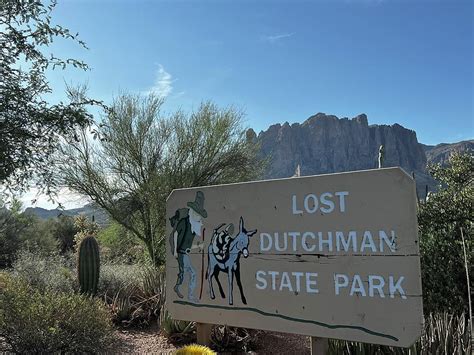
x: 381, y: 156
x: 88, y: 265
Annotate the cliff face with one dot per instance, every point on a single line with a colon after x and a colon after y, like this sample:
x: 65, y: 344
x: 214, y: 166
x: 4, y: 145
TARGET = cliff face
x: 327, y: 144
x: 440, y: 153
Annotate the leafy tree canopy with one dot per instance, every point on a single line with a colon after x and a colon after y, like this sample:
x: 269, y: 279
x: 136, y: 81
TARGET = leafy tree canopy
x: 30, y: 127
x: 142, y: 156
x: 452, y: 205
x: 446, y: 214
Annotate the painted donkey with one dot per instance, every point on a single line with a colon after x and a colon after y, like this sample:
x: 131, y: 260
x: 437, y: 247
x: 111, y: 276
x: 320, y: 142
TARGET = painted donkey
x: 224, y: 255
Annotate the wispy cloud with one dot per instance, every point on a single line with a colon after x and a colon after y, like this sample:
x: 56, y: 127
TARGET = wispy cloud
x: 277, y: 37
x: 179, y: 94
x: 163, y: 85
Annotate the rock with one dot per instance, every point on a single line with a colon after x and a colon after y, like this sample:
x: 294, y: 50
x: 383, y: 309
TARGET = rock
x: 250, y: 135
x: 362, y: 119
x: 327, y: 144
x: 440, y: 153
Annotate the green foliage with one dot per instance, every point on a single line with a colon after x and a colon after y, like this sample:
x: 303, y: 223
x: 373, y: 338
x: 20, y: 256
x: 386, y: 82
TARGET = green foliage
x: 209, y: 147
x: 64, y: 230
x: 10, y: 227
x: 32, y: 321
x: 119, y: 245
x: 233, y: 339
x: 37, y: 234
x: 30, y: 127
x: 19, y: 230
x: 442, y: 334
x: 440, y: 220
x: 88, y: 265
x: 85, y: 229
x: 445, y: 333
x: 135, y: 294
x: 44, y: 272
x: 115, y: 276
x: 177, y: 330
x: 143, y: 156
x: 453, y: 203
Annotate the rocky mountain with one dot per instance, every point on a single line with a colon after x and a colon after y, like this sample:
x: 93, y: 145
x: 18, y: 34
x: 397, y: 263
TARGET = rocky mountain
x: 441, y: 152
x: 326, y: 144
x: 89, y: 210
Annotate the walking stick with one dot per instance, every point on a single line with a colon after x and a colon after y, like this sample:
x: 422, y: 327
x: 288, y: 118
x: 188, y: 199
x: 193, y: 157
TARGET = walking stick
x: 202, y: 263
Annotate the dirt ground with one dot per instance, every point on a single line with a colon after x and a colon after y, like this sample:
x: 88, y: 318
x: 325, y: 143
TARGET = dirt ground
x: 152, y: 341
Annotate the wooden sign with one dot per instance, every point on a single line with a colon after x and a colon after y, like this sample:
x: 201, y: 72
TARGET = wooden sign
x: 333, y: 256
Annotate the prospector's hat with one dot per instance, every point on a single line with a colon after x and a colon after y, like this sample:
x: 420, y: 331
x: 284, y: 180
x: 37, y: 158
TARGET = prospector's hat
x: 198, y: 204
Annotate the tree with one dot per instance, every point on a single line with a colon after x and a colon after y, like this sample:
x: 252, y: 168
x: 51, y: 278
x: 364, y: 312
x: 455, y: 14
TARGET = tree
x: 143, y: 156
x: 31, y: 128
x: 120, y: 245
x: 11, y: 225
x: 20, y: 230
x: 442, y: 218
x: 64, y: 230
x: 38, y: 235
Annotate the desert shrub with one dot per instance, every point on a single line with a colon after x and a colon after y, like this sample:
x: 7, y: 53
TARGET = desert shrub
x: 85, y: 228
x: 4, y: 278
x: 234, y: 339
x: 10, y: 227
x: 223, y: 338
x: 178, y: 331
x: 64, y: 230
x: 38, y: 235
x: 119, y: 245
x: 34, y: 321
x: 135, y: 294
x: 116, y: 276
x: 443, y: 273
x: 341, y: 347
x: 445, y: 333
x: 442, y: 334
x: 52, y: 272
x: 442, y: 218
x: 19, y: 230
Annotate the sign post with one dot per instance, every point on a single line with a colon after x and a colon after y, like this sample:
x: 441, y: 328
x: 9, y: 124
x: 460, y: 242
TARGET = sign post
x: 329, y: 256
x: 203, y: 334
x: 319, y: 346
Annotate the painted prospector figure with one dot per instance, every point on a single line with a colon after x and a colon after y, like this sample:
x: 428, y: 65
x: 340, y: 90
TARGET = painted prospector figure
x: 187, y: 224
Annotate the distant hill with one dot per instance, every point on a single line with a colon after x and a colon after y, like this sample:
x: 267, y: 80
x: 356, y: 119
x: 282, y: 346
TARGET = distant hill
x: 440, y: 153
x: 88, y: 210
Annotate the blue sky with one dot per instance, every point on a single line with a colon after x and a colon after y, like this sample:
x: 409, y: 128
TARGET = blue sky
x: 406, y: 62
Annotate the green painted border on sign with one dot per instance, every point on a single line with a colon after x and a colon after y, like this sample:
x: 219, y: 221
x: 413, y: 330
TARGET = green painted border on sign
x: 300, y: 320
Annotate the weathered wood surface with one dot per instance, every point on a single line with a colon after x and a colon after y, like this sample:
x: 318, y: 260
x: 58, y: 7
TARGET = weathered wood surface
x: 203, y: 333
x: 382, y: 199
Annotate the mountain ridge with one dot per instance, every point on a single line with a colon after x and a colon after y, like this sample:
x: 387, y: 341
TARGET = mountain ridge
x: 327, y: 144
x: 89, y: 210
x: 439, y: 153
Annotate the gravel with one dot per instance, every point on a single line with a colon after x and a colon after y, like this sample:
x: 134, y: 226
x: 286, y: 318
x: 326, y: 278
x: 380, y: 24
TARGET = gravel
x: 152, y: 341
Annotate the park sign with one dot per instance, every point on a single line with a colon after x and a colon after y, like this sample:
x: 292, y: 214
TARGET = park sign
x: 331, y: 256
